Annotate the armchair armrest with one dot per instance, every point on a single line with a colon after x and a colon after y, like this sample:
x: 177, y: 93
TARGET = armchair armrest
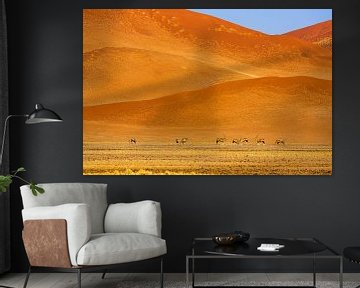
x: 138, y: 217
x: 78, y: 225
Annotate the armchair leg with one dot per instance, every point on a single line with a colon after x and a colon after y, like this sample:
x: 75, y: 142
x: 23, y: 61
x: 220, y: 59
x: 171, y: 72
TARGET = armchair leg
x: 79, y: 277
x: 27, y: 277
x: 161, y: 273
x: 103, y: 275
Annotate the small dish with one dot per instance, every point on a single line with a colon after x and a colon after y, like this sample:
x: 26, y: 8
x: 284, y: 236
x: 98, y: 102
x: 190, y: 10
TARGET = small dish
x: 225, y: 239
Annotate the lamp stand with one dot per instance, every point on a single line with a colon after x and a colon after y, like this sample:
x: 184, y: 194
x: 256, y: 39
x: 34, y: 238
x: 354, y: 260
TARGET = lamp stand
x: 4, y: 134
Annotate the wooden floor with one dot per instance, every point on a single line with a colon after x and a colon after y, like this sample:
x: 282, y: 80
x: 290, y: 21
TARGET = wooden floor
x: 113, y: 280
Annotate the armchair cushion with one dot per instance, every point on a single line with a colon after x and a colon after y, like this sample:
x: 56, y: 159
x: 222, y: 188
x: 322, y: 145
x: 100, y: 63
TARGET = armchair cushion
x: 138, y: 217
x: 113, y: 248
x: 78, y: 221
x: 92, y: 194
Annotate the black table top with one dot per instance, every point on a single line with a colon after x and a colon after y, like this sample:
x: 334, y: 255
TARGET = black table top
x: 292, y: 247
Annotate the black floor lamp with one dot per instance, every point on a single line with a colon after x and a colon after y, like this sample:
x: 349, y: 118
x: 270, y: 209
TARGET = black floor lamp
x: 39, y: 115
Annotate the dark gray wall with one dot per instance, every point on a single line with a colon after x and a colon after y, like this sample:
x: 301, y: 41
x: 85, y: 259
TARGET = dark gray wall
x: 45, y: 49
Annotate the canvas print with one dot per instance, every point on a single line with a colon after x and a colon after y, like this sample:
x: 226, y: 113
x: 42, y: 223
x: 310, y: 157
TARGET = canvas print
x: 207, y: 92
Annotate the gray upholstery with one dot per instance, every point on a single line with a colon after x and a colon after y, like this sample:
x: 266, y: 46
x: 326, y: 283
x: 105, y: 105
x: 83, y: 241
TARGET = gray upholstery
x: 112, y: 248
x: 133, y: 230
x: 94, y: 195
x: 139, y: 217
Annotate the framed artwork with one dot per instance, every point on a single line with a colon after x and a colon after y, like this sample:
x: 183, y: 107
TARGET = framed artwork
x: 207, y: 92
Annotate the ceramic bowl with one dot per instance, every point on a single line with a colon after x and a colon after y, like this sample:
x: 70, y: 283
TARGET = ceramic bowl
x: 225, y: 239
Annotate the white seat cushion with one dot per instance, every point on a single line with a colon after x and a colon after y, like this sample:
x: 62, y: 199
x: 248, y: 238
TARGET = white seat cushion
x: 113, y: 248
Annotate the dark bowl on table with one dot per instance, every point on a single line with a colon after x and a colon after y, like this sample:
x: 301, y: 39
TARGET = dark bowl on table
x: 225, y: 239
x: 231, y: 238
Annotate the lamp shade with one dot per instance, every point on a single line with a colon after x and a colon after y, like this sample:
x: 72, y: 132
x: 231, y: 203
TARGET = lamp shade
x: 42, y: 115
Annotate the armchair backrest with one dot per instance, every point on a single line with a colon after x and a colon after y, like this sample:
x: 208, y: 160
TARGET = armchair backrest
x: 55, y: 194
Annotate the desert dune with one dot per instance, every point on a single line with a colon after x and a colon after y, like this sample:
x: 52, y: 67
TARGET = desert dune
x: 319, y: 34
x: 114, y: 75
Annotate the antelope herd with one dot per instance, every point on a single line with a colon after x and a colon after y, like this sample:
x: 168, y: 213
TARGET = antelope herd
x: 222, y: 140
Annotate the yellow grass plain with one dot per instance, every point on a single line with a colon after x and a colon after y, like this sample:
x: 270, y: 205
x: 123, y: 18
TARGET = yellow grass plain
x: 212, y: 159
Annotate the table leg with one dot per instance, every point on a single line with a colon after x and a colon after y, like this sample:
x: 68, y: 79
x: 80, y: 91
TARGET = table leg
x: 187, y: 272
x: 193, y: 272
x: 341, y: 273
x: 193, y: 267
x: 314, y: 271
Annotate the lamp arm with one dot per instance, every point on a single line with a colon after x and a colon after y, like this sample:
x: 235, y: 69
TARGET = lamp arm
x: 4, y: 133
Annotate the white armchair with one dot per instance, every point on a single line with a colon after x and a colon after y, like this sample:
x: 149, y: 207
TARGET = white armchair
x: 72, y: 228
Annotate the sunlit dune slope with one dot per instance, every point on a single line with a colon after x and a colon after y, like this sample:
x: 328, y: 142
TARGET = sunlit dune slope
x: 127, y: 74
x: 319, y: 34
x: 295, y: 108
x: 200, y: 38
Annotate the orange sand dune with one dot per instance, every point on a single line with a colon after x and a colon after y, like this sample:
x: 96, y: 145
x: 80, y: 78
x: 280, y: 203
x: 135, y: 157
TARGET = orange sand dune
x: 204, y: 38
x: 319, y: 34
x: 113, y: 75
x: 295, y: 108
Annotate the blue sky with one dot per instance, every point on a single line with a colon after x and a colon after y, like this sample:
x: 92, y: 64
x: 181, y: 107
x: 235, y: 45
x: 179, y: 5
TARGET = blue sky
x: 271, y: 21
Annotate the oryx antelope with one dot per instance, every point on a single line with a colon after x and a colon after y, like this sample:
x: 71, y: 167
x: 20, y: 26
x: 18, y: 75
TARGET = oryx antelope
x: 260, y: 141
x: 244, y: 140
x: 181, y: 141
